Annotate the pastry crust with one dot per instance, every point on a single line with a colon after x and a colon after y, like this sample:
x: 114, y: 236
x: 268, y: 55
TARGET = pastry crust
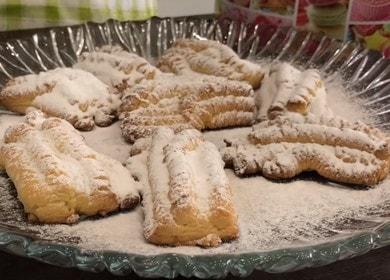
x: 190, y: 56
x: 71, y: 94
x: 58, y: 177
x: 182, y: 103
x: 286, y: 89
x: 336, y: 149
x: 117, y: 68
x: 189, y: 201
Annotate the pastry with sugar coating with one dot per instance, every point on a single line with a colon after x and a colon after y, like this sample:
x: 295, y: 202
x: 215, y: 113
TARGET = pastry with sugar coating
x: 189, y: 200
x: 71, y: 94
x: 116, y: 67
x: 58, y: 177
x: 182, y: 102
x: 341, y: 151
x: 285, y: 89
x: 190, y: 56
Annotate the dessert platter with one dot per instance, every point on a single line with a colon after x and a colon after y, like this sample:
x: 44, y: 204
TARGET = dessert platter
x: 192, y: 147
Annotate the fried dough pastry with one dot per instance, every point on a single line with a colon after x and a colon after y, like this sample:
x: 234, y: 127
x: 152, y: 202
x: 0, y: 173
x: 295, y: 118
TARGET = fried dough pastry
x: 336, y: 149
x: 190, y: 56
x: 185, y: 102
x: 286, y: 89
x: 58, y: 177
x: 117, y: 68
x: 71, y: 94
x: 189, y: 201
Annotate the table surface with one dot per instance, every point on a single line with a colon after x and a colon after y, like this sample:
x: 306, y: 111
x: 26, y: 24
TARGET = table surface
x: 373, y: 265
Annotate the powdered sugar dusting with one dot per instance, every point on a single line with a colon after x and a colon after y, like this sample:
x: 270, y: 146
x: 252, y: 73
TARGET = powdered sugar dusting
x: 271, y: 214
x: 72, y: 94
x: 342, y: 105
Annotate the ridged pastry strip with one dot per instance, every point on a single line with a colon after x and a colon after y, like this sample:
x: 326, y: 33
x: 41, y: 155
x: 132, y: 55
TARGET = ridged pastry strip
x: 139, y: 125
x: 183, y: 102
x: 71, y: 94
x: 117, y: 68
x: 189, y: 56
x: 286, y: 160
x: 286, y: 89
x: 189, y: 200
x: 345, y: 134
x: 58, y: 177
x: 336, y: 149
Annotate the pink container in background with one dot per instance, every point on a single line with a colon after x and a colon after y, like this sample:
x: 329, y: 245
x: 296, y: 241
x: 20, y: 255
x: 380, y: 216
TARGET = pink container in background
x: 366, y: 21
x: 370, y: 10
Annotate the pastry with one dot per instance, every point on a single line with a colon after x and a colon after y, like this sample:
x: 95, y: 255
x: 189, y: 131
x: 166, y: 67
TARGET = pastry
x: 58, y: 177
x: 286, y: 89
x: 185, y: 102
x: 189, y: 201
x: 338, y: 150
x: 71, y: 94
x: 117, y: 68
x: 189, y: 56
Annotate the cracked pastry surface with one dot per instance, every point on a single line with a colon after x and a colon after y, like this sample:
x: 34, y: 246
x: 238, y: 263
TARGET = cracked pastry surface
x: 116, y: 67
x: 285, y: 89
x: 58, y: 177
x: 188, y: 200
x: 71, y: 94
x: 185, y: 102
x: 190, y: 56
x: 336, y: 149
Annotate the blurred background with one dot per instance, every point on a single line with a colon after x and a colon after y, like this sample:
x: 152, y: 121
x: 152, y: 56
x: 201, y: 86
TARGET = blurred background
x: 367, y: 21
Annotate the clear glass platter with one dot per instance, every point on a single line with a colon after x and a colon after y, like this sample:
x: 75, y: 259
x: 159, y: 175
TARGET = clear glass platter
x: 367, y: 73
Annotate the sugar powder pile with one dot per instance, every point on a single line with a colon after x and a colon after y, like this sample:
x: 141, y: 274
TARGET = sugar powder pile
x: 271, y: 214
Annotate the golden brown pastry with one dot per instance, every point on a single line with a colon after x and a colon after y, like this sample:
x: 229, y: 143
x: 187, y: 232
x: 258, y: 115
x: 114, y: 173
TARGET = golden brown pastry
x: 58, y: 177
x: 117, y: 68
x: 338, y: 150
x: 185, y: 102
x: 190, y: 56
x: 188, y: 201
x: 71, y: 94
x: 285, y: 89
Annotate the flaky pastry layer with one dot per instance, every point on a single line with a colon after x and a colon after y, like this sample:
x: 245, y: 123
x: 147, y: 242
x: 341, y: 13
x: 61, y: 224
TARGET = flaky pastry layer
x: 71, y: 94
x: 190, y: 56
x: 185, y: 102
x: 117, y: 68
x: 336, y: 149
x: 58, y: 177
x: 286, y: 89
x: 189, y: 201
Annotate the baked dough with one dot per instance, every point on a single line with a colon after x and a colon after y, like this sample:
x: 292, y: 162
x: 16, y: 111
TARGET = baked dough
x: 285, y: 89
x: 188, y: 200
x: 117, y: 68
x: 71, y: 94
x: 58, y: 177
x: 185, y: 102
x: 338, y: 150
x: 190, y: 56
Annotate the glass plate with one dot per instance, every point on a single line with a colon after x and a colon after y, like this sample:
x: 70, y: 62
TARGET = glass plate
x: 366, y: 72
